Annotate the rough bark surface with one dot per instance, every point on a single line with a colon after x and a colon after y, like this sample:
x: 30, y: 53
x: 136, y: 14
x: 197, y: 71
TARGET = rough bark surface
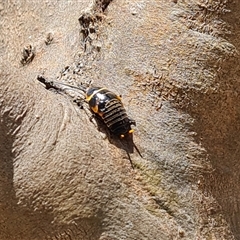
x: 176, y: 64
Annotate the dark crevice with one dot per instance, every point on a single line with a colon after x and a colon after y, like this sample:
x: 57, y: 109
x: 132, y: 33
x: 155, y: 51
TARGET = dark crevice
x: 90, y: 24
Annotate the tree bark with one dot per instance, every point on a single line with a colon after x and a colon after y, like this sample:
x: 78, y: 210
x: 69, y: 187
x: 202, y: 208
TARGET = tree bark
x: 176, y: 65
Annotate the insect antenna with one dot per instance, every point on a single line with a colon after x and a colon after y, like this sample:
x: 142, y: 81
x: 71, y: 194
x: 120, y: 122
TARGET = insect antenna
x: 59, y: 86
x: 69, y: 86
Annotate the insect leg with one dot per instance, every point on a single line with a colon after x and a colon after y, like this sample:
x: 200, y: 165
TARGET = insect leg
x: 137, y: 150
x: 130, y: 160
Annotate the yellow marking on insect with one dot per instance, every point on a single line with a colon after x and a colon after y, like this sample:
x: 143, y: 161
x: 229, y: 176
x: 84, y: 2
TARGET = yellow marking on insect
x: 122, y: 135
x: 95, y: 108
x: 88, y: 98
x: 119, y: 98
x: 131, y: 131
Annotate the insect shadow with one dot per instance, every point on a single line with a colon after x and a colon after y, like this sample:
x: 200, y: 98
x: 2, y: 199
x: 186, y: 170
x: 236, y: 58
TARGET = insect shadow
x: 125, y: 143
x: 106, y: 108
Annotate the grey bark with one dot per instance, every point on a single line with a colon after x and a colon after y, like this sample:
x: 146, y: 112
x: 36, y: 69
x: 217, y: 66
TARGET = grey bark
x: 176, y: 64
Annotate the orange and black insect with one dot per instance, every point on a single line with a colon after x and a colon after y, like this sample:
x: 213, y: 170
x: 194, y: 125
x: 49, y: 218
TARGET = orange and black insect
x: 105, y: 104
x: 108, y: 106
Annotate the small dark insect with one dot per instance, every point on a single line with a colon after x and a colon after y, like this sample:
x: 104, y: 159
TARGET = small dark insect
x: 105, y: 105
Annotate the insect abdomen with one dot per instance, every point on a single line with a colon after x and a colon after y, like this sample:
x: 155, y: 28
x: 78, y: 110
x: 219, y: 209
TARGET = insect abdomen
x: 115, y: 117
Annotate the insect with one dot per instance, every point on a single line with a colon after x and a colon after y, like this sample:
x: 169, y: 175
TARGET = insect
x: 105, y: 105
x: 108, y: 106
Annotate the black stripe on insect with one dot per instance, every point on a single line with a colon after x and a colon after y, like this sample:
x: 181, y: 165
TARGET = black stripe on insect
x: 106, y: 106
